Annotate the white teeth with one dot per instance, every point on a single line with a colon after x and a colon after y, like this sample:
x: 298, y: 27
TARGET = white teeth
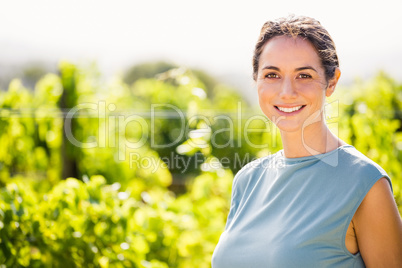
x: 289, y: 110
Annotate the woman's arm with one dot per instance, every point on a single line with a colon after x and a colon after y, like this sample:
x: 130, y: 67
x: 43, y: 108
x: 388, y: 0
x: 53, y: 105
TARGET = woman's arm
x: 378, y: 228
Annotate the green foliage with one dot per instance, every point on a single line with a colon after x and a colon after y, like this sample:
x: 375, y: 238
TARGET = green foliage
x: 147, y: 70
x: 94, y: 224
x: 124, y: 208
x: 29, y: 138
x: 124, y: 216
x: 370, y: 118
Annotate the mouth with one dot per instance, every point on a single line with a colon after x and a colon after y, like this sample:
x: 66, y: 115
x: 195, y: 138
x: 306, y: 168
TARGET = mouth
x: 290, y: 110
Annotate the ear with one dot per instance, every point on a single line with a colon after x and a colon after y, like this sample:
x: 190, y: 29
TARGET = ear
x: 332, y: 83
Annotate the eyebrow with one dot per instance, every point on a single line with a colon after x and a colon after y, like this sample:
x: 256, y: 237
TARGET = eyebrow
x: 306, y: 68
x: 297, y: 69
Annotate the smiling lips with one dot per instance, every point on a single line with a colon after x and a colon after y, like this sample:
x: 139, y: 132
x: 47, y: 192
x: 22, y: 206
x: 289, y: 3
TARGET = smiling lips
x: 290, y: 109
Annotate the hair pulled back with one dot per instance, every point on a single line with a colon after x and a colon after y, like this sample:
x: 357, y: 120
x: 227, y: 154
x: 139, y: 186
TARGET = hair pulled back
x: 306, y: 28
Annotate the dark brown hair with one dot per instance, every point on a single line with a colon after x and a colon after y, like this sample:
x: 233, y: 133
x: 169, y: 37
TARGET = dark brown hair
x: 306, y: 28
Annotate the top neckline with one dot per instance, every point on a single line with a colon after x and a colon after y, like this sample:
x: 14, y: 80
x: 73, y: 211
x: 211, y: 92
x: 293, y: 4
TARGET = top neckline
x: 310, y: 157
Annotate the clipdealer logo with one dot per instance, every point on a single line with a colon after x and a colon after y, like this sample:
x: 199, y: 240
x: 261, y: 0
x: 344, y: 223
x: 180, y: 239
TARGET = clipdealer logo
x: 114, y: 125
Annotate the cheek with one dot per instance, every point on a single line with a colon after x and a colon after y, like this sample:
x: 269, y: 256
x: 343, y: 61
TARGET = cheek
x: 265, y: 98
x: 265, y: 94
x: 315, y: 95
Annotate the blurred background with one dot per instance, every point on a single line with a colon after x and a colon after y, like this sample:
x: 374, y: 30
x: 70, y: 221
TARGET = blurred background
x: 217, y: 37
x: 122, y: 124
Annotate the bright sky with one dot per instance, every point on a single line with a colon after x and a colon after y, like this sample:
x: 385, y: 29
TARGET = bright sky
x: 217, y: 36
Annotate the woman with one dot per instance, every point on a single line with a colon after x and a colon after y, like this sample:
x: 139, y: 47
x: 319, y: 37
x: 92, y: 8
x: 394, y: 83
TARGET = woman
x: 318, y: 202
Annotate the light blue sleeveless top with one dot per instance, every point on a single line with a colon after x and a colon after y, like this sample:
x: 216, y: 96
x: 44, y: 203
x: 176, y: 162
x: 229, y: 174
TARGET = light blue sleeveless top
x: 294, y: 212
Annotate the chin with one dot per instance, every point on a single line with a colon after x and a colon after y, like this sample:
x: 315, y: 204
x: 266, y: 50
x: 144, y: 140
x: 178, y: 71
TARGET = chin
x: 289, y: 127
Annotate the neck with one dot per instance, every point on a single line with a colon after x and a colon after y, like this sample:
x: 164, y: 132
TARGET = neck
x: 312, y: 140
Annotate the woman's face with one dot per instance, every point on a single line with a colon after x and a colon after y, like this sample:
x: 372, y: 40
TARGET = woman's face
x: 291, y: 83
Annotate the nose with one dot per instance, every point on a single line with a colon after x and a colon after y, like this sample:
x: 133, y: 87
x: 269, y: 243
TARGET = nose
x: 287, y: 90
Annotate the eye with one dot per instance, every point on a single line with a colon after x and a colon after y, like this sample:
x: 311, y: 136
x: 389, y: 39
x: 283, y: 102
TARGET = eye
x: 304, y: 76
x: 271, y: 75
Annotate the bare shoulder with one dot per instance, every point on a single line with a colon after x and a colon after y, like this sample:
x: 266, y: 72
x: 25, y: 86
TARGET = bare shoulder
x: 378, y: 227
